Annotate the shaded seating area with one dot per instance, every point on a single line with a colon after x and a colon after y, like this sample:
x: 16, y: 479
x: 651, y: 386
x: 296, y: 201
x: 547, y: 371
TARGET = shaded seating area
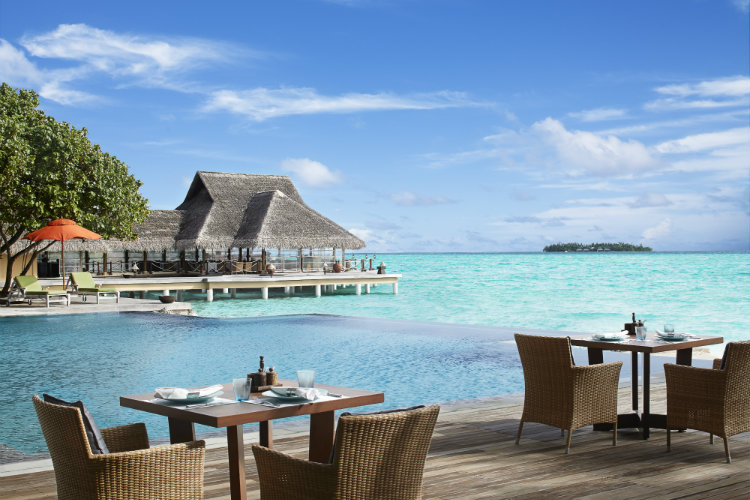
x: 563, y: 395
x: 83, y: 285
x: 28, y: 288
x: 375, y: 456
x: 120, y: 464
x: 715, y: 400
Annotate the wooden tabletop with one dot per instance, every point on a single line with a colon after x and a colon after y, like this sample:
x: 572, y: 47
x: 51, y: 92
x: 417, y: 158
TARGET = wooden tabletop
x: 652, y: 343
x: 244, y: 413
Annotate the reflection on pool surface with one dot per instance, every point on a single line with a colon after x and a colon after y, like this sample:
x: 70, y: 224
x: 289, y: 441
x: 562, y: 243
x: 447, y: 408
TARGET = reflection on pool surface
x: 99, y: 357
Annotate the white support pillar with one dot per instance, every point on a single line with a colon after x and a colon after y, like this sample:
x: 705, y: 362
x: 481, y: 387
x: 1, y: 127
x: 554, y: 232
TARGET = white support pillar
x: 395, y: 288
x: 287, y: 291
x: 358, y: 289
x: 165, y: 292
x: 264, y: 292
x: 317, y: 290
x: 209, y: 295
x: 179, y: 295
x: 225, y: 290
x: 367, y: 288
x: 334, y: 287
x: 234, y: 293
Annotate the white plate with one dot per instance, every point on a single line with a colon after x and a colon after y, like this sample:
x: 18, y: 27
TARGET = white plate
x: 274, y: 394
x: 675, y: 337
x: 194, y: 400
x: 609, y: 337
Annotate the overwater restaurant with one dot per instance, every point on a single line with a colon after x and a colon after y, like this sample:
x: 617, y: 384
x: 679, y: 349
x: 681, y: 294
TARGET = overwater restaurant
x: 227, y: 224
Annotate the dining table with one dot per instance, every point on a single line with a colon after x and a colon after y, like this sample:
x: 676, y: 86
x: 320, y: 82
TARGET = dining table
x: 259, y: 409
x: 683, y: 344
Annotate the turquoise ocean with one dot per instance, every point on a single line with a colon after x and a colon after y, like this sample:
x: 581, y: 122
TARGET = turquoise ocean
x: 701, y: 293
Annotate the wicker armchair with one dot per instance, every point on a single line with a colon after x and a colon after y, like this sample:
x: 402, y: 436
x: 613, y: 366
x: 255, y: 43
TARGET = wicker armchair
x: 377, y: 456
x: 715, y: 400
x: 131, y: 470
x: 563, y: 395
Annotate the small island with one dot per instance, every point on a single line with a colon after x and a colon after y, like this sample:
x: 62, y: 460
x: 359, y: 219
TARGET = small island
x: 595, y: 247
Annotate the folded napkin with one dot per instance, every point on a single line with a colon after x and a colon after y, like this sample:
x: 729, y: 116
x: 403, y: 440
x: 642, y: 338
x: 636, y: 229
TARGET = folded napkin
x: 180, y: 393
x: 308, y: 393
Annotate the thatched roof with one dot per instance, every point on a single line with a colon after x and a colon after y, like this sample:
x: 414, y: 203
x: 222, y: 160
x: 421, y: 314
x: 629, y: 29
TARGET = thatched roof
x: 273, y: 219
x: 224, y: 210
x: 157, y: 232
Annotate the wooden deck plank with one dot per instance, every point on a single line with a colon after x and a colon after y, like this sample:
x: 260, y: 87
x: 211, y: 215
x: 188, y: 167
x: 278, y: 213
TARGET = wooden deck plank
x: 474, y: 456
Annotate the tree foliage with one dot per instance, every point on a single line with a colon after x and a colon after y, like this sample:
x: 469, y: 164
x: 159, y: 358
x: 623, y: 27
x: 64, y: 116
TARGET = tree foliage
x: 596, y: 247
x: 51, y: 170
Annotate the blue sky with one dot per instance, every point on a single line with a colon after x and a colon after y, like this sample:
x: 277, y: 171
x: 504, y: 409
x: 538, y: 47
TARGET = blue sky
x: 420, y: 125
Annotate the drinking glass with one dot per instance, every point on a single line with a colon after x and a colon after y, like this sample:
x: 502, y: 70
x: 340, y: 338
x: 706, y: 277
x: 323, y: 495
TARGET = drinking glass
x: 306, y: 378
x: 241, y: 388
x: 640, y: 333
x: 669, y: 329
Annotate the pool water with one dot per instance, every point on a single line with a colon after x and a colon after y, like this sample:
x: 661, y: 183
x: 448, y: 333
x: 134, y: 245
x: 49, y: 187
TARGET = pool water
x: 100, y: 357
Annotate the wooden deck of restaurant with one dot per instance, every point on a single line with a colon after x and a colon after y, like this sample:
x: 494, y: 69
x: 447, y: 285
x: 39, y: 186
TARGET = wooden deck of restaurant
x: 473, y: 455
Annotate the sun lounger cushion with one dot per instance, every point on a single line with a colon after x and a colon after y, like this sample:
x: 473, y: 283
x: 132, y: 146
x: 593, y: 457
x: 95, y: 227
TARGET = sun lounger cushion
x: 96, y: 441
x: 85, y: 283
x: 31, y: 286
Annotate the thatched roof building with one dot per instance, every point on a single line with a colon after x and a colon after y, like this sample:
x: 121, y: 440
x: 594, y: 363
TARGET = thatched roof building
x: 223, y: 211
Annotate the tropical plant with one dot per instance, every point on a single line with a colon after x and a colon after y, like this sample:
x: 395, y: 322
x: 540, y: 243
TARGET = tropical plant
x: 51, y: 170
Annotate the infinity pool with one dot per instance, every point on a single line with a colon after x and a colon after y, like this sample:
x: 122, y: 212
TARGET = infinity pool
x: 99, y: 357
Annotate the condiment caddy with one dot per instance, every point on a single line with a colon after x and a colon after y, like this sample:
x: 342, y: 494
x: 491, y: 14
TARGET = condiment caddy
x: 263, y: 380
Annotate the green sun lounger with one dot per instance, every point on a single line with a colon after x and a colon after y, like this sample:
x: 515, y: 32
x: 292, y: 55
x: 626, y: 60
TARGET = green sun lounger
x: 27, y: 288
x: 83, y: 285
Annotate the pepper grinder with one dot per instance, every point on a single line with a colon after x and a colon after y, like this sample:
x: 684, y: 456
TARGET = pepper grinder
x: 272, y: 377
x: 258, y: 378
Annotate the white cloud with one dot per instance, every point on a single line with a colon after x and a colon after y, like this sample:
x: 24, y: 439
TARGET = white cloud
x: 409, y: 199
x: 728, y: 87
x: 662, y: 229
x: 115, y: 53
x: 599, y: 114
x: 742, y: 5
x: 15, y: 67
x: 581, y: 152
x: 710, y: 140
x: 647, y: 200
x: 262, y: 103
x: 723, y: 92
x: 130, y: 59
x: 311, y: 173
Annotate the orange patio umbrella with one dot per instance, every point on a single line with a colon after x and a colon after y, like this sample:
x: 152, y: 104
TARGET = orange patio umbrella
x: 62, y: 230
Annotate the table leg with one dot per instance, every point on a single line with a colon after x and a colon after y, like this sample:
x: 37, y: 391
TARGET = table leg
x: 685, y: 356
x: 236, y: 450
x: 646, y: 394
x: 321, y: 436
x: 266, y: 434
x: 634, y: 379
x: 180, y: 431
x: 596, y: 356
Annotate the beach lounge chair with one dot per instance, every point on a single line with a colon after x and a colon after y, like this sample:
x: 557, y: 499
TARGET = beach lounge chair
x: 563, y: 395
x: 120, y: 464
x: 28, y: 288
x: 376, y: 456
x: 83, y: 285
x: 715, y: 400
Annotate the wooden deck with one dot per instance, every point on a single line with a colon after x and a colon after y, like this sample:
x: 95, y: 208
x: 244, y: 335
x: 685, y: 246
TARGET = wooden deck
x: 473, y: 455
